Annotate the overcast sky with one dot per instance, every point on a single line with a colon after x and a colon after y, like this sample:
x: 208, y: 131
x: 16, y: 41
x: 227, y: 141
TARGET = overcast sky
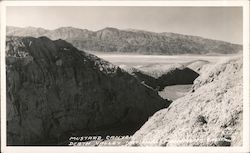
x: 221, y: 23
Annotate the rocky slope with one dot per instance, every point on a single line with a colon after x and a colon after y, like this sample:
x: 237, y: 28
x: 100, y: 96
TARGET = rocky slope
x: 141, y: 76
x: 131, y: 41
x: 197, y: 65
x: 211, y: 115
x: 55, y: 91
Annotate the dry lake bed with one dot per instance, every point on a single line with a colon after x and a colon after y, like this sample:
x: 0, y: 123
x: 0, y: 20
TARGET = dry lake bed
x: 137, y: 60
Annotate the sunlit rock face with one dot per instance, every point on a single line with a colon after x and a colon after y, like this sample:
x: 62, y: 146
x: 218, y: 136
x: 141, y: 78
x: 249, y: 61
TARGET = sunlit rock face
x: 210, y: 115
x: 55, y: 91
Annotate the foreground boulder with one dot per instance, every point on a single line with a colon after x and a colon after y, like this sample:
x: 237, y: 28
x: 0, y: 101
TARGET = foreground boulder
x: 55, y: 91
x: 211, y: 115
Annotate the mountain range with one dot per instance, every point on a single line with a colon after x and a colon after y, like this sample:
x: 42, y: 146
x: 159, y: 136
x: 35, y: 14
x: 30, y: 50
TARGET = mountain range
x: 131, y: 41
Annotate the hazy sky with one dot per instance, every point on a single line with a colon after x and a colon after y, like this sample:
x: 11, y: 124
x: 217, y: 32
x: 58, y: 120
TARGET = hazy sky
x: 221, y: 23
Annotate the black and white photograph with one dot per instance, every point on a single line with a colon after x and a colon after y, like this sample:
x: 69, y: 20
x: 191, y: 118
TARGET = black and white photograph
x: 131, y: 76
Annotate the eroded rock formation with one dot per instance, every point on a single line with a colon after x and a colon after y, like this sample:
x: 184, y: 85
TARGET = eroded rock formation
x: 160, y: 76
x: 55, y: 91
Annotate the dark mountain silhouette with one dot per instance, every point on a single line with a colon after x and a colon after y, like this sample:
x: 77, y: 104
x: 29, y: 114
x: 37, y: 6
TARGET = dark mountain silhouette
x: 131, y: 41
x: 175, y: 75
x: 55, y: 91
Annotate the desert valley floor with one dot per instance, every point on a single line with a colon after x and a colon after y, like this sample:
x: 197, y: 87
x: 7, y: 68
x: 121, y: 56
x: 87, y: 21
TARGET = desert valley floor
x: 144, y: 60
x: 161, y: 64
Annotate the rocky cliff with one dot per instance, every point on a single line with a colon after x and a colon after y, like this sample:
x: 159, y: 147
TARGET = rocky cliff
x: 210, y: 115
x: 55, y: 91
x: 131, y: 41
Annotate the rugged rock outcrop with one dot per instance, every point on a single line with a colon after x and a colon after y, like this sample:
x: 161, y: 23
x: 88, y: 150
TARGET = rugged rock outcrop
x: 131, y: 41
x: 55, y: 91
x: 177, y: 76
x: 211, y: 115
x: 159, y: 76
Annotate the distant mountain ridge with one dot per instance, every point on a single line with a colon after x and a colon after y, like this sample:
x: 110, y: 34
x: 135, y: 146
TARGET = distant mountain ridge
x: 131, y: 41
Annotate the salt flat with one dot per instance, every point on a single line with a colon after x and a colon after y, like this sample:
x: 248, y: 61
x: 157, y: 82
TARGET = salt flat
x: 138, y: 60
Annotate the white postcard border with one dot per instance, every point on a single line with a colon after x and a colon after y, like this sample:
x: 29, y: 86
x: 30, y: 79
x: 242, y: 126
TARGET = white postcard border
x: 65, y: 149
